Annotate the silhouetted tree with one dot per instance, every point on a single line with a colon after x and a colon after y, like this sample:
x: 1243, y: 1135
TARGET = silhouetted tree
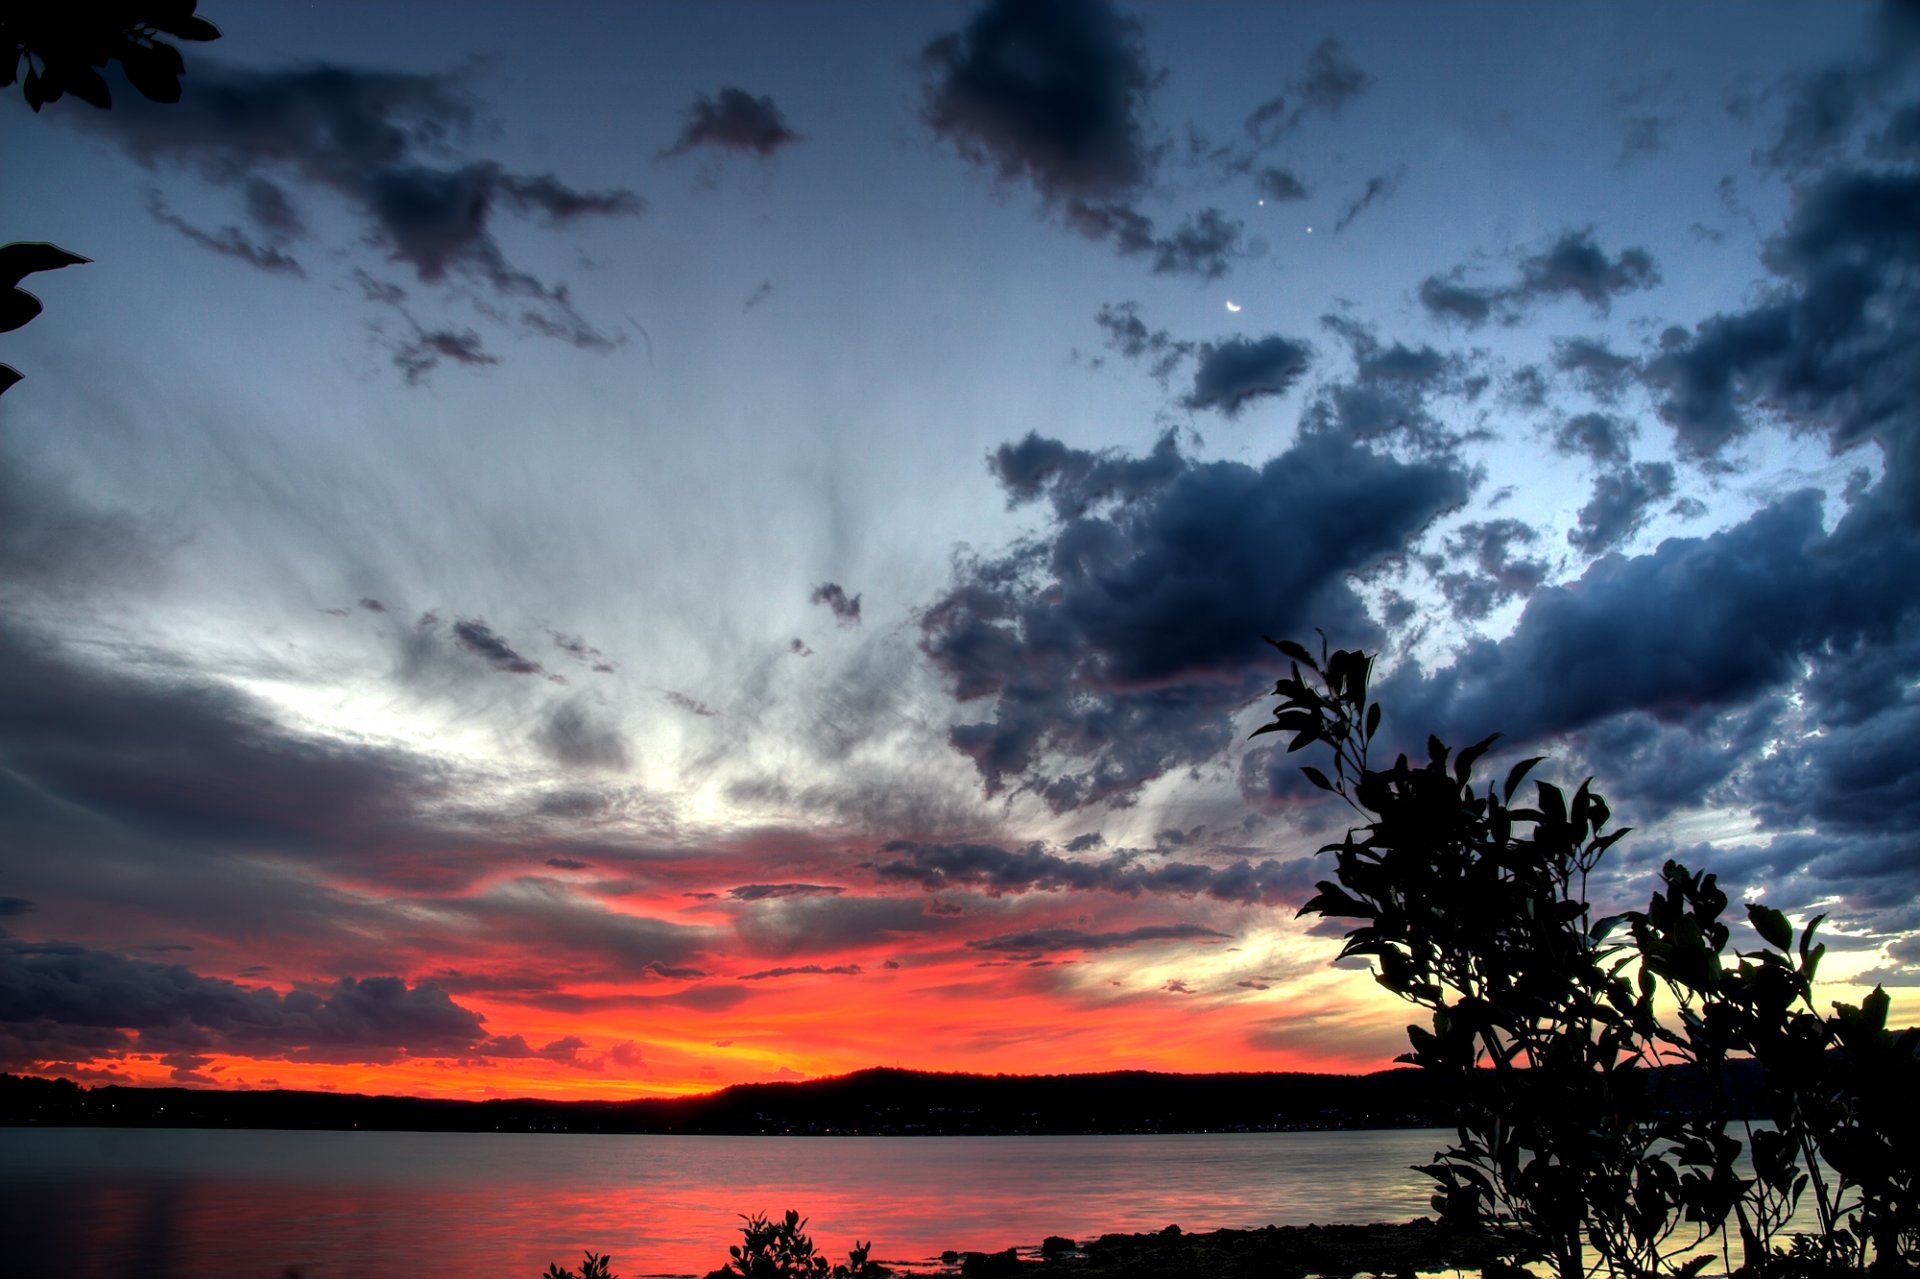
x: 1546, y: 1027
x: 60, y: 48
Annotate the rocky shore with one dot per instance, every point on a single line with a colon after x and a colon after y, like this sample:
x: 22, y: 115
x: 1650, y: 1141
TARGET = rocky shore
x: 1273, y: 1252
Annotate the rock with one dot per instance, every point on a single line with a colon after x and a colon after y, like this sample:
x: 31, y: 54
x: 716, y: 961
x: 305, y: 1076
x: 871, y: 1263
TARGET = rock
x: 1054, y: 1245
x: 989, y: 1265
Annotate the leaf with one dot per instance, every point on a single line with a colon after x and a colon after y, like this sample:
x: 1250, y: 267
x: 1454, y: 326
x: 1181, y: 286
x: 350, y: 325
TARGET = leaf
x: 1373, y: 719
x: 85, y: 84
x: 17, y: 306
x: 1771, y: 925
x: 24, y: 257
x: 1317, y: 777
x: 8, y: 376
x: 1463, y: 766
x: 1874, y: 1007
x: 1296, y: 651
x: 1516, y: 775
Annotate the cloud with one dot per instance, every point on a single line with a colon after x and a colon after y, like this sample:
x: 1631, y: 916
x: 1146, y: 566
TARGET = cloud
x: 1054, y: 93
x: 1832, y: 350
x: 776, y: 892
x: 1499, y: 575
x: 380, y: 142
x: 194, y: 759
x: 1204, y: 245
x: 1594, y: 366
x: 691, y: 705
x: 572, y: 735
x: 1075, y: 479
x: 54, y: 989
x: 1378, y: 188
x: 422, y: 353
x: 478, y: 638
x: 1230, y: 375
x: 1619, y: 505
x: 937, y: 867
x: 735, y: 120
x: 834, y: 970
x: 1049, y: 91
x: 1117, y: 645
x: 1332, y: 80
x: 1601, y: 437
x: 845, y: 609
x: 1128, y: 334
x: 229, y: 241
x: 1275, y: 183
x: 1696, y: 624
x: 1033, y: 943
x: 1388, y: 395
x: 1573, y: 265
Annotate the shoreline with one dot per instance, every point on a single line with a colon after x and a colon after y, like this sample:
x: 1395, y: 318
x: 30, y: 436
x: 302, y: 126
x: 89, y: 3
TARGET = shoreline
x: 1338, y: 1251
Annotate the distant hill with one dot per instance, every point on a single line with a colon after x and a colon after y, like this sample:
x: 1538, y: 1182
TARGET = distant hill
x: 882, y: 1102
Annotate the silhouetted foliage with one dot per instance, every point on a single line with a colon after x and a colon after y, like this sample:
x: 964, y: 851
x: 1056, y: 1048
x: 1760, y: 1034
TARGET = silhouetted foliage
x: 62, y: 47
x: 591, y: 1268
x: 1547, y: 1030
x: 17, y: 306
x: 782, y: 1250
x: 59, y: 48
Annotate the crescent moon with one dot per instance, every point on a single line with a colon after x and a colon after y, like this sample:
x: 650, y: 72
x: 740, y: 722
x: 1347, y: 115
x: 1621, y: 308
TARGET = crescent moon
x: 1233, y: 306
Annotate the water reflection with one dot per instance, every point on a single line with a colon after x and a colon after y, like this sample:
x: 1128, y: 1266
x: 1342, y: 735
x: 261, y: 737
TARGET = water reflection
x: 248, y: 1205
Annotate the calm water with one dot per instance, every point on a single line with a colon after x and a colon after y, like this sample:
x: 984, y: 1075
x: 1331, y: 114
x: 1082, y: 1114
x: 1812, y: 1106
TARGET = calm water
x: 81, y: 1203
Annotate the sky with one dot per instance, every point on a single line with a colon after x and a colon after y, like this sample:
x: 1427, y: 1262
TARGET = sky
x: 613, y: 550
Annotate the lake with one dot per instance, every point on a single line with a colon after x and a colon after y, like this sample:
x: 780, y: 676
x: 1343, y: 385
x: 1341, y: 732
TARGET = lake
x: 99, y: 1203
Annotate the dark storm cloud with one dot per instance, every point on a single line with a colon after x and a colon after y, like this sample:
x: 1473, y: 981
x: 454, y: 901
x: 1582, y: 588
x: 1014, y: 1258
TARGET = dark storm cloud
x: 834, y: 970
x: 1117, y: 646
x: 735, y: 120
x: 1826, y: 107
x: 1332, y: 80
x: 574, y: 735
x: 1696, y: 623
x: 1833, y: 351
x: 1075, y: 479
x: 1601, y: 437
x: 1573, y: 265
x: 181, y: 757
x: 1230, y: 375
x: 845, y: 608
x: 381, y: 142
x: 1052, y: 91
x: 1619, y: 506
x: 58, y: 988
x: 989, y: 868
x: 229, y: 241
x: 1900, y: 139
x: 1036, y: 942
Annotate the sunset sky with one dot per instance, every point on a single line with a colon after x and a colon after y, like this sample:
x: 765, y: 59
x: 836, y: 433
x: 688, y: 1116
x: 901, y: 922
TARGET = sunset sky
x: 604, y: 550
